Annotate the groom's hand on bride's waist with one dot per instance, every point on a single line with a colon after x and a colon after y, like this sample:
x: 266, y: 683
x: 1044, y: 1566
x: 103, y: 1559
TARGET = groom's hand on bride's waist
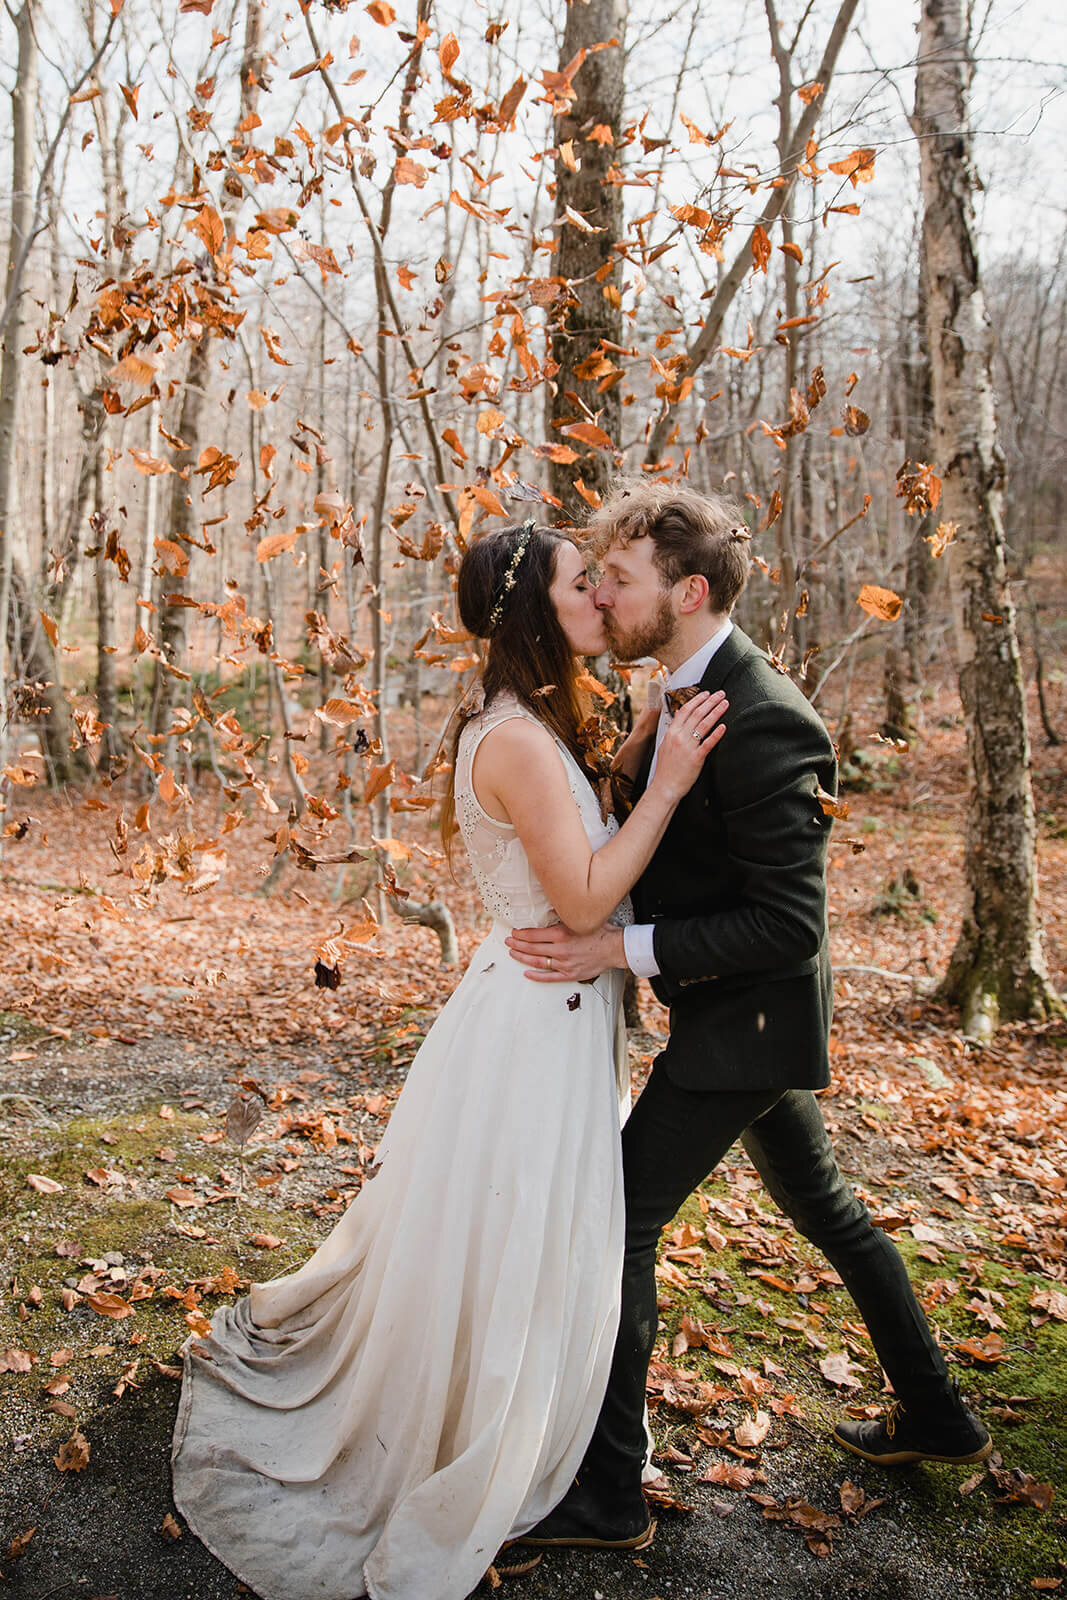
x: 556, y: 955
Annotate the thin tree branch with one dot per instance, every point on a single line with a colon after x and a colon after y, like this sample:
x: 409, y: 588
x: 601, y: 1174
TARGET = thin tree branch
x: 37, y: 226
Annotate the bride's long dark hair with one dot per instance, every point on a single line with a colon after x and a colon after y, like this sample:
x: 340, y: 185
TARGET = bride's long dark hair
x: 525, y: 649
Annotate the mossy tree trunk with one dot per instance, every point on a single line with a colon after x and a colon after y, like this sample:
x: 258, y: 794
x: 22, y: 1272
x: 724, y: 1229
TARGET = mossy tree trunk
x: 997, y: 969
x: 588, y: 181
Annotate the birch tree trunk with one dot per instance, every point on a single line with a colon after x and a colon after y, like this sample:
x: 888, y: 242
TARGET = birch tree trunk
x: 23, y: 108
x: 997, y: 970
x: 107, y: 699
x: 588, y: 183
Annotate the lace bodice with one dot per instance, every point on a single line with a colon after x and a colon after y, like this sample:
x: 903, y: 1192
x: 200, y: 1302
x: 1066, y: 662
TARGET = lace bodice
x: 506, y: 882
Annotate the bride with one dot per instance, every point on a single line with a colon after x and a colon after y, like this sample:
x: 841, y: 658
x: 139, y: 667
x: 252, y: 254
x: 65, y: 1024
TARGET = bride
x: 382, y: 1420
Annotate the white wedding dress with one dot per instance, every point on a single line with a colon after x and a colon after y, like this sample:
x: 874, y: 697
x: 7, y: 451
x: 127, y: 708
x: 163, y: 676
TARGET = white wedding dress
x: 381, y: 1420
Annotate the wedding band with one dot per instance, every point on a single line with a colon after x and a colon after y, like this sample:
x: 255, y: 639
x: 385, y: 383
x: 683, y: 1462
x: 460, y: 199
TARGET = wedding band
x: 696, y: 736
x: 548, y: 962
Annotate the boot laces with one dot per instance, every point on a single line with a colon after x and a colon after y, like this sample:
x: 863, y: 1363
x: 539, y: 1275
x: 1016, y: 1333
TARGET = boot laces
x: 892, y: 1416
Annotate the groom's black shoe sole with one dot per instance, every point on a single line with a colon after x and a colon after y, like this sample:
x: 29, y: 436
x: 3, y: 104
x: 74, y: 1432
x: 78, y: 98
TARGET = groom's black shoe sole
x: 576, y: 1541
x: 907, y: 1458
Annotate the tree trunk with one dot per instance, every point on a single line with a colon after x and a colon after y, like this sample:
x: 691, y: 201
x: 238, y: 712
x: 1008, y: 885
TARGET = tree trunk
x: 173, y: 626
x: 918, y: 445
x: 997, y: 969
x: 107, y: 700
x: 436, y: 915
x: 588, y: 182
x: 174, y: 618
x: 23, y: 108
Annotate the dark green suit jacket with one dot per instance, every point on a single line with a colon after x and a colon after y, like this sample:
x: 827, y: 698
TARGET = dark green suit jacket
x: 737, y: 892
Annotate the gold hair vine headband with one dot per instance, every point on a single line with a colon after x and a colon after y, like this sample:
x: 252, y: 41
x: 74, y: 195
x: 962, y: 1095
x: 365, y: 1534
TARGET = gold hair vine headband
x: 525, y: 535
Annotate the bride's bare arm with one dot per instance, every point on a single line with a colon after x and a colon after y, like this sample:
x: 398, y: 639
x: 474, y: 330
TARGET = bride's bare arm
x: 519, y: 778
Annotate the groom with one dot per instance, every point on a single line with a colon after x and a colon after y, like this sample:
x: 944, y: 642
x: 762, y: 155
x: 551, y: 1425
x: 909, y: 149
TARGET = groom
x: 732, y: 930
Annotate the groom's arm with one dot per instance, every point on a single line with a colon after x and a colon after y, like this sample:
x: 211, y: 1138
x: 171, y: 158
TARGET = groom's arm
x: 766, y: 774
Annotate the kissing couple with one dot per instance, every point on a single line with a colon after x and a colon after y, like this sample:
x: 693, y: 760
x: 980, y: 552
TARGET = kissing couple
x: 456, y: 1378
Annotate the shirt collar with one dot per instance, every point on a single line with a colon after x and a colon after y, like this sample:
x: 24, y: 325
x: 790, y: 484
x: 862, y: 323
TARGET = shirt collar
x: 691, y: 671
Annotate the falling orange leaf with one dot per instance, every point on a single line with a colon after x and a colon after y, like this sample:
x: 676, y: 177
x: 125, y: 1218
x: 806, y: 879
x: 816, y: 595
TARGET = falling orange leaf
x: 883, y: 603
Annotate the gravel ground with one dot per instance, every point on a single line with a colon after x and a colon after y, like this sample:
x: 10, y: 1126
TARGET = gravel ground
x: 99, y: 1533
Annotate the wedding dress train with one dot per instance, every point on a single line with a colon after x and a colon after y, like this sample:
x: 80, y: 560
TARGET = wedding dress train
x: 381, y: 1420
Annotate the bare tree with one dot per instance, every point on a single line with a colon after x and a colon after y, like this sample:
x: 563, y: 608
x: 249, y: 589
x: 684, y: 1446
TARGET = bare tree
x: 588, y: 187
x: 23, y: 109
x: 734, y: 276
x: 173, y: 629
x: 998, y: 968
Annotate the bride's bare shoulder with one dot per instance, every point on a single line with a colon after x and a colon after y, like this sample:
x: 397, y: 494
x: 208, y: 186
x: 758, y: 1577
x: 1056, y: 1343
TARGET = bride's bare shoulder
x: 518, y: 735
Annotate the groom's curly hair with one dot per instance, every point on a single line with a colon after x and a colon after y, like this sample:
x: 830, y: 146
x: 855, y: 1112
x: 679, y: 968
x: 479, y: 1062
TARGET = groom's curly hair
x: 506, y: 603
x: 691, y: 533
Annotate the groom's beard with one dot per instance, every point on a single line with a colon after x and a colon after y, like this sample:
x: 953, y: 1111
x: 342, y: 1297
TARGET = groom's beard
x: 644, y: 638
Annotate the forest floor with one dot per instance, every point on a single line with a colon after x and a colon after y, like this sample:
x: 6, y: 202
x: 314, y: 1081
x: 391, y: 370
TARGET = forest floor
x: 126, y: 1214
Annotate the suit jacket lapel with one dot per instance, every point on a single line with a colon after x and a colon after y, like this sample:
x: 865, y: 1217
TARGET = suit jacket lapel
x: 722, y: 663
x: 725, y: 659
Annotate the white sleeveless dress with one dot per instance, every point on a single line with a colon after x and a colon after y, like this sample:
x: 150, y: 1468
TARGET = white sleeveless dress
x: 381, y: 1420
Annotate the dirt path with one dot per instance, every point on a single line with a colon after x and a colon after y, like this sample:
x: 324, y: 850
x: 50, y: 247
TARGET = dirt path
x: 102, y: 1531
x: 127, y: 1033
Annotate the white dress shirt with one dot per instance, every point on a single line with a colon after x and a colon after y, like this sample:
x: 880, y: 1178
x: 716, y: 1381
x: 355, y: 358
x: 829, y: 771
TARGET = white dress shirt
x: 637, y: 938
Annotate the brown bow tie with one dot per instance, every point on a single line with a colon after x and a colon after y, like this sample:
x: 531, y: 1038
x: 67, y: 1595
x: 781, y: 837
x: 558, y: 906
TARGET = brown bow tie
x: 677, y: 698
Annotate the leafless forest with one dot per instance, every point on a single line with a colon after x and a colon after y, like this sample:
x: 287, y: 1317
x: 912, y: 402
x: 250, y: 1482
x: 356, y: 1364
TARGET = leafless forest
x: 298, y: 301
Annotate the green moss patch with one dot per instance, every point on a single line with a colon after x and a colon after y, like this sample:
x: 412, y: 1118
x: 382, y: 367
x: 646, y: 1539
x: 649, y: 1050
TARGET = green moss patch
x: 101, y: 1276
x: 760, y: 1310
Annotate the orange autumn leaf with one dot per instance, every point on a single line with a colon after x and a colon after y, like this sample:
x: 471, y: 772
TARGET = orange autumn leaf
x: 109, y: 1305
x: 381, y: 11
x: 761, y: 249
x: 588, y: 433
x: 831, y: 806
x: 209, y: 227
x: 882, y: 603
x: 488, y: 500
x: 73, y: 1454
x: 43, y: 1185
x: 837, y: 1369
x: 172, y: 558
x: 141, y: 370
x: 857, y: 166
x: 380, y: 778
x: 408, y: 171
x: 274, y: 543
x: 148, y: 465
